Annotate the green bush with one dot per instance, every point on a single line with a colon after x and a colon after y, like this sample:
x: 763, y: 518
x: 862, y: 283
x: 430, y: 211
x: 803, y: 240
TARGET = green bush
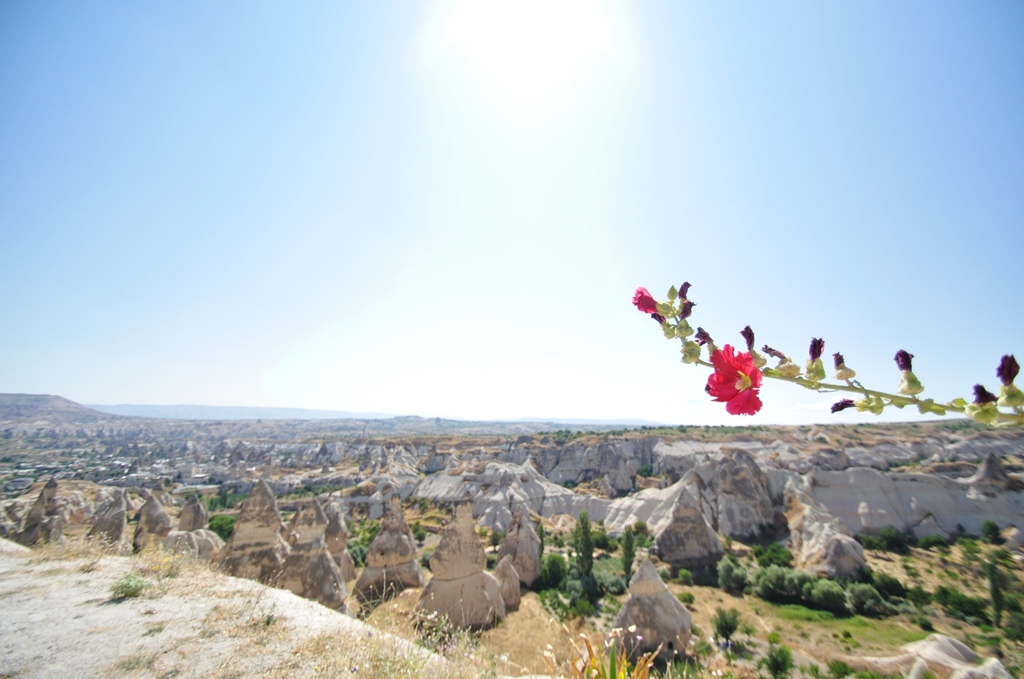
x: 613, y: 584
x: 645, y: 470
x: 782, y: 585
x: 358, y: 553
x: 425, y: 559
x: 930, y: 541
x: 918, y: 596
x: 888, y: 586
x: 960, y: 605
x: 128, y: 586
x: 990, y: 531
x: 223, y: 525
x: 774, y: 555
x: 552, y: 572
x: 778, y: 662
x: 418, y: 532
x: 685, y: 598
x: 864, y: 599
x: 889, y: 539
x: 684, y: 577
x: 827, y: 596
x: 837, y: 669
x: 731, y: 576
x: 725, y: 622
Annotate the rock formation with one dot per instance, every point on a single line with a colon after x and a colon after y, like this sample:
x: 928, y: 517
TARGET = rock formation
x: 657, y: 615
x: 522, y: 546
x: 309, y: 570
x: 111, y: 524
x: 509, y: 579
x: 460, y: 589
x: 734, y: 494
x: 336, y: 536
x: 391, y: 559
x: 686, y: 540
x: 256, y: 549
x: 44, y: 522
x: 193, y: 515
x: 154, y: 524
x: 200, y: 544
x: 820, y: 541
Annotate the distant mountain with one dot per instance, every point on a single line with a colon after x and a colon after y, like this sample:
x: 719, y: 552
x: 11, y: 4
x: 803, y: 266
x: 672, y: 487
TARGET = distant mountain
x: 45, y: 407
x: 195, y: 412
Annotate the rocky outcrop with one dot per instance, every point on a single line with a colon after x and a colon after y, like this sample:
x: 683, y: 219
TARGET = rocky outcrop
x: 460, y: 590
x: 652, y: 616
x: 111, y: 524
x: 201, y: 544
x: 937, y: 655
x: 522, y: 547
x: 390, y: 561
x: 309, y: 570
x: 686, y: 539
x: 734, y: 493
x: 509, y: 580
x: 992, y: 475
x: 44, y: 522
x: 256, y: 549
x: 193, y: 515
x: 154, y: 524
x: 336, y: 536
x: 820, y: 541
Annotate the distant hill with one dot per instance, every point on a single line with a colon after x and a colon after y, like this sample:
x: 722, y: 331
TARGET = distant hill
x: 46, y: 407
x: 196, y: 412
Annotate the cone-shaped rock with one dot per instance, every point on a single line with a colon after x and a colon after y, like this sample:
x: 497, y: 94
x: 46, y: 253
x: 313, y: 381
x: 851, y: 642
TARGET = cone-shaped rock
x: 193, y: 515
x: 991, y: 473
x: 200, y: 544
x: 43, y: 523
x: 687, y: 540
x: 154, y: 524
x: 309, y: 570
x: 336, y: 536
x: 461, y: 590
x: 391, y: 559
x: 256, y: 549
x: 111, y: 524
x: 658, y: 616
x: 523, y: 546
x: 509, y: 580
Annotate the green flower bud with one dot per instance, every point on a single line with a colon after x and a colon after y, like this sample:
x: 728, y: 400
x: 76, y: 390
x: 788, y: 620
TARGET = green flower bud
x: 928, y: 406
x: 986, y: 413
x: 787, y: 368
x: 672, y: 294
x: 870, y: 404
x: 815, y: 370
x: 759, y: 360
x: 909, y: 385
x: 669, y: 330
x: 1010, y: 396
x: 666, y: 309
x: 683, y: 330
x: 691, y: 352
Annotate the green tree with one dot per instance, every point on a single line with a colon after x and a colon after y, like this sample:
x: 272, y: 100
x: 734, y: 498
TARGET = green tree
x: 540, y: 534
x: 990, y: 530
x: 584, y: 545
x: 778, y: 662
x: 731, y: 576
x: 725, y: 622
x: 496, y: 537
x: 995, y: 588
x: 628, y: 551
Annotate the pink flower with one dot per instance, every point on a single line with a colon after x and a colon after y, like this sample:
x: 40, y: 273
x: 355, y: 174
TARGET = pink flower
x: 643, y: 301
x: 735, y: 382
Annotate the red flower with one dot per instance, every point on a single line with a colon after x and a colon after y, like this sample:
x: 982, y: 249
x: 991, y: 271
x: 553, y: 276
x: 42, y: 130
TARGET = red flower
x: 643, y: 301
x: 735, y: 381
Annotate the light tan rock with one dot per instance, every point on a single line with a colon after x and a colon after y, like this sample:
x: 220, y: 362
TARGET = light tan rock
x: 44, y: 522
x: 391, y: 559
x: 687, y: 540
x: 522, y: 546
x: 111, y: 524
x: 509, y: 580
x: 193, y: 515
x: 201, y: 544
x: 256, y: 549
x: 821, y: 542
x: 154, y: 524
x: 309, y: 570
x: 657, y: 615
x: 461, y: 591
x: 336, y: 536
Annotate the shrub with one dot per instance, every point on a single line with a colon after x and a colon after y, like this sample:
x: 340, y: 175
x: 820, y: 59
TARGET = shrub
x: 684, y: 577
x: 418, y: 533
x: 640, y: 528
x: 990, y: 531
x: 725, y: 622
x: 613, y: 584
x: 584, y: 544
x: 358, y: 553
x: 665, y: 574
x: 893, y: 540
x: 628, y: 551
x: 645, y: 470
x: 778, y: 662
x: 888, y: 586
x: 827, y: 596
x: 837, y: 669
x: 685, y: 598
x: 605, y: 542
x: 918, y: 596
x: 552, y: 571
x: 864, y: 599
x: 782, y: 585
x: 223, y: 525
x: 960, y: 605
x: 425, y: 559
x: 774, y: 555
x: 925, y: 624
x: 128, y: 586
x: 731, y: 576
x: 929, y: 541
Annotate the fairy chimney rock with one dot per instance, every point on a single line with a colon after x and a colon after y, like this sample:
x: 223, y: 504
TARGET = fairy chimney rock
x: 522, y: 545
x: 193, y: 515
x: 154, y: 524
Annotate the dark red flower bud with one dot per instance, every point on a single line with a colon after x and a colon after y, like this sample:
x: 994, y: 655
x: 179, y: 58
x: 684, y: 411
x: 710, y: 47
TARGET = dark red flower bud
x: 817, y: 346
x: 643, y: 301
x: 658, y: 317
x: 685, y: 309
x: 1008, y: 369
x: 773, y: 353
x: 838, y: 358
x: 683, y: 289
x: 702, y: 337
x: 842, y: 405
x: 748, y: 335
x: 983, y: 395
x: 903, y: 359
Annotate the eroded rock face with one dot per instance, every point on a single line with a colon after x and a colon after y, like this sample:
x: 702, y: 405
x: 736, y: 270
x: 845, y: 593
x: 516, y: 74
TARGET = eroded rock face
x: 509, y: 579
x: 193, y: 515
x: 256, y: 549
x: 336, y: 536
x: 199, y: 544
x: 44, y: 522
x: 461, y: 590
x: 309, y: 570
x: 522, y: 547
x: 391, y: 559
x: 734, y: 492
x: 111, y: 524
x: 820, y: 541
x: 686, y: 540
x: 154, y: 524
x: 658, y: 616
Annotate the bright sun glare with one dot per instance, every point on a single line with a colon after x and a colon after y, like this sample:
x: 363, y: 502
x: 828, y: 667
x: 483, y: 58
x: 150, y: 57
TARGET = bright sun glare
x: 529, y: 50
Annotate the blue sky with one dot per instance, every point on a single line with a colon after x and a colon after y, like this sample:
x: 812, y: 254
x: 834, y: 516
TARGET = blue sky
x: 443, y: 209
